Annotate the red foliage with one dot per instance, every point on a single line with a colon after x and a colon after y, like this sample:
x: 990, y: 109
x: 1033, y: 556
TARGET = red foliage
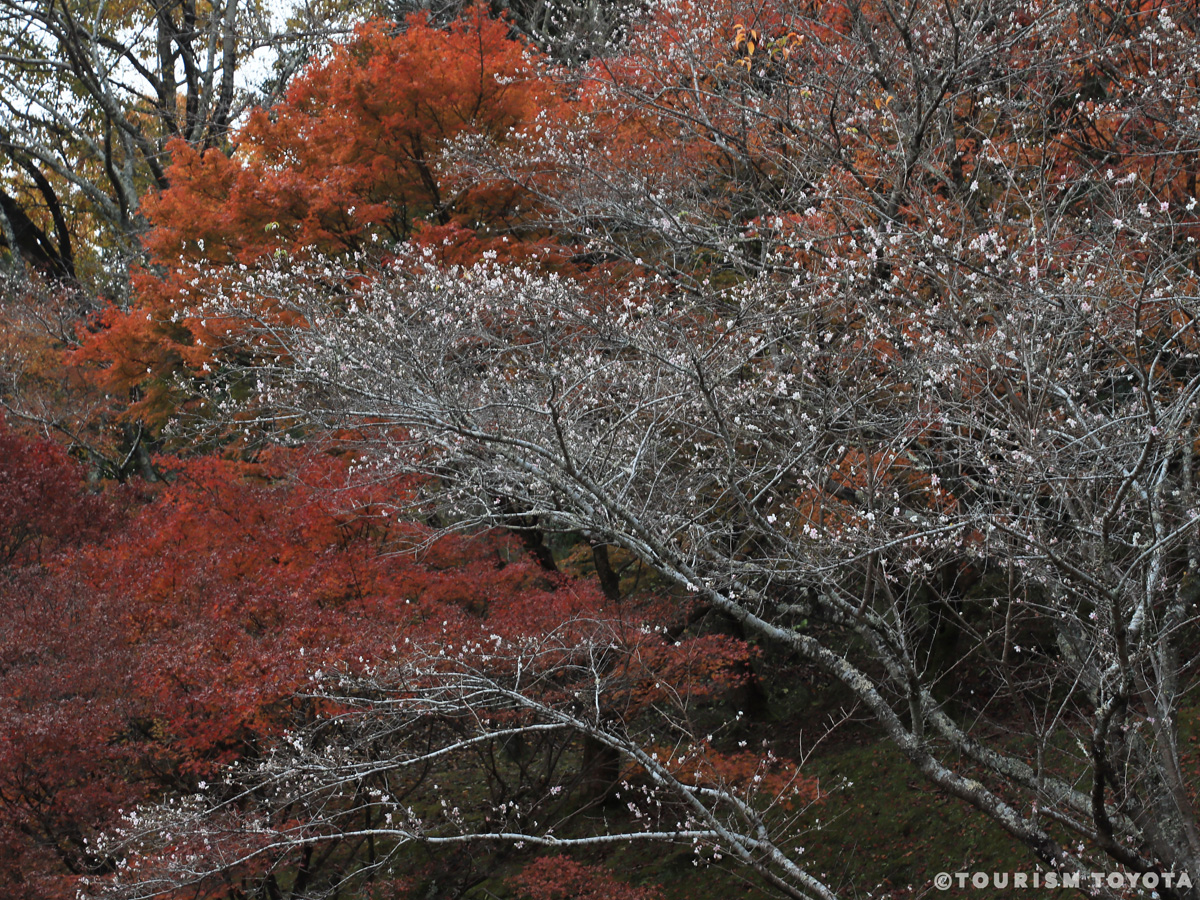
x: 63, y: 672
x: 144, y: 652
x: 43, y: 504
x: 139, y: 661
x: 562, y: 878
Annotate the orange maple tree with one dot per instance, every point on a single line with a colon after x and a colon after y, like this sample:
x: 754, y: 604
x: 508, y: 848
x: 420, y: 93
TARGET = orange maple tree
x: 354, y: 152
x: 352, y: 161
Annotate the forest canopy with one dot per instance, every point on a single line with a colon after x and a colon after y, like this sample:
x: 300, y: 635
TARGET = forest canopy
x: 533, y: 450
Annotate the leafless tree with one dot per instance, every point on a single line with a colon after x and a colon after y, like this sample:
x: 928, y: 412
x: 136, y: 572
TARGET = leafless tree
x: 989, y: 528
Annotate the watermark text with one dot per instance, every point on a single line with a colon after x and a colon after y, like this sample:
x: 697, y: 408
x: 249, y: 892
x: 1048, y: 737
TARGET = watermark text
x: 943, y: 881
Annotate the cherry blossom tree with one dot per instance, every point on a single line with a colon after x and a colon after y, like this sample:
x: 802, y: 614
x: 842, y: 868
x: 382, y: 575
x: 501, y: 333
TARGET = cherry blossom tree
x: 967, y: 520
